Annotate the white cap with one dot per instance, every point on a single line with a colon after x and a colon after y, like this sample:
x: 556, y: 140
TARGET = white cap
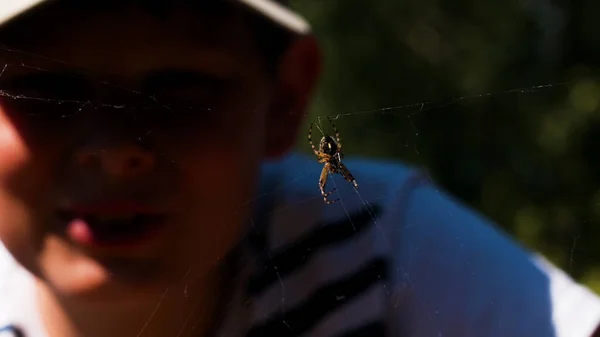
x: 280, y: 14
x: 271, y: 9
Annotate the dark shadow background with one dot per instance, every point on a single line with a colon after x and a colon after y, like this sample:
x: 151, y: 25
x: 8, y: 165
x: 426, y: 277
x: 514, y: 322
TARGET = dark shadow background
x: 499, y: 99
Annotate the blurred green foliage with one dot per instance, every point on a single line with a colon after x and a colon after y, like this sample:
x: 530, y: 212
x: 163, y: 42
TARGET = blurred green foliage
x: 499, y: 99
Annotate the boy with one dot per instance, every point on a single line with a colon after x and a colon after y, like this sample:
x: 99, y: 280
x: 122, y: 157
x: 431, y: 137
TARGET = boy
x: 133, y: 201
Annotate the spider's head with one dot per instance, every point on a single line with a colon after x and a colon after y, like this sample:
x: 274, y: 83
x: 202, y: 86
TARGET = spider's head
x: 328, y: 145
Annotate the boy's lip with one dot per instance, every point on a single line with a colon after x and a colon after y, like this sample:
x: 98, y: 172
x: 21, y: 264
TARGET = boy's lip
x: 112, y: 225
x: 110, y: 208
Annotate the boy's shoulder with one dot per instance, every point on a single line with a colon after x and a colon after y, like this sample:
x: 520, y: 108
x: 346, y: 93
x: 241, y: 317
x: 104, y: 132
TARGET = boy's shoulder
x: 9, y: 285
x: 17, y: 314
x: 290, y: 194
x: 422, y: 262
x: 320, y: 266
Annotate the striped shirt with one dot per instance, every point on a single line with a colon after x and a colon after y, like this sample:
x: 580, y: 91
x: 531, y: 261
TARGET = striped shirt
x: 396, y: 258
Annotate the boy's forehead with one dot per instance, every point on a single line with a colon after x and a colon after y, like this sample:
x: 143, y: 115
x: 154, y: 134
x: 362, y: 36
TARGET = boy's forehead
x: 180, y: 15
x: 275, y: 11
x: 126, y: 24
x: 129, y: 39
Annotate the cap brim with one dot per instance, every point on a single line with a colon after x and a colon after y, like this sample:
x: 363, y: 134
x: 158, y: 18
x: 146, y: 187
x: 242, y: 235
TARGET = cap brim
x: 281, y: 15
x: 10, y: 9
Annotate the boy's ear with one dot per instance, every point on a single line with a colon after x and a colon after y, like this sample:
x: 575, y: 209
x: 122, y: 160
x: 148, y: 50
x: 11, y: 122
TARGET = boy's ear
x: 295, y: 82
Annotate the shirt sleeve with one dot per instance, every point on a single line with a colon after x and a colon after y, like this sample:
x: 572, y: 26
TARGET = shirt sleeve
x: 455, y: 274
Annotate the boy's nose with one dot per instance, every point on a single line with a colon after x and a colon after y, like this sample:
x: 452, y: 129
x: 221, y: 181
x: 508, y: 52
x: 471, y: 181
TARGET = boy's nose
x: 122, y: 161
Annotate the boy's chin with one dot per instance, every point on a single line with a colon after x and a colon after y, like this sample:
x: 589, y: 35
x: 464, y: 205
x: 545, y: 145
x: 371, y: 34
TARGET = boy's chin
x: 77, y: 276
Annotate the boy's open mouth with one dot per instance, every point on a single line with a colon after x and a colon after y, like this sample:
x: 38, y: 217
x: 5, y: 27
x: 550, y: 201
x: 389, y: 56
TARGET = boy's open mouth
x: 104, y: 230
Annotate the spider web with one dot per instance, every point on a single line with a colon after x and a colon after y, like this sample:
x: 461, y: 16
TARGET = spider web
x: 412, y: 116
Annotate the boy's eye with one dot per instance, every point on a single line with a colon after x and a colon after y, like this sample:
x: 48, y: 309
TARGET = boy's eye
x: 188, y: 99
x: 48, y: 86
x: 44, y: 94
x: 185, y: 87
x: 170, y: 100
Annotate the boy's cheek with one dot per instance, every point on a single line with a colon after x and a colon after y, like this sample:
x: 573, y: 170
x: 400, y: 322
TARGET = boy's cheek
x: 221, y: 169
x: 24, y: 173
x: 14, y: 153
x: 24, y: 183
x: 16, y: 194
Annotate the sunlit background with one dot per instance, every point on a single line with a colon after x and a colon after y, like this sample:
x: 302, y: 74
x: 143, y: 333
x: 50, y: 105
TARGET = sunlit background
x: 498, y: 99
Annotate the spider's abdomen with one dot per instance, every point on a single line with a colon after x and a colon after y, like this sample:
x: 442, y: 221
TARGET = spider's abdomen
x: 328, y: 146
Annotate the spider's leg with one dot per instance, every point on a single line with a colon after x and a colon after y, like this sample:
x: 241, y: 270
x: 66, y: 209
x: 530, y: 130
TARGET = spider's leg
x: 347, y: 175
x: 322, y: 182
x: 310, y: 140
x: 337, y: 136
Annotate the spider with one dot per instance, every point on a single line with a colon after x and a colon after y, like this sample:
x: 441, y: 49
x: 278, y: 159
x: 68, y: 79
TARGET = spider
x: 330, y: 154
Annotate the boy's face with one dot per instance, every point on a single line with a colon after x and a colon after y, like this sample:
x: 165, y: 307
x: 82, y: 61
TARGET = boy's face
x: 173, y: 141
